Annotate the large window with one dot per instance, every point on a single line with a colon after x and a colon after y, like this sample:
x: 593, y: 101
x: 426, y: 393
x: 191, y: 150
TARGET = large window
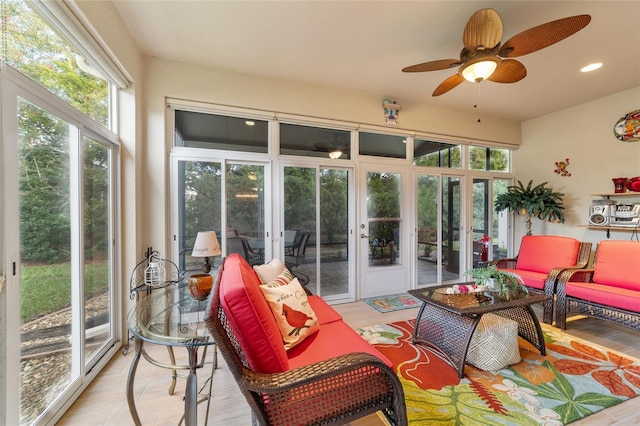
x: 59, y: 204
x: 211, y: 131
x: 436, y: 154
x: 381, y: 145
x: 490, y: 159
x: 35, y: 49
x: 315, y: 142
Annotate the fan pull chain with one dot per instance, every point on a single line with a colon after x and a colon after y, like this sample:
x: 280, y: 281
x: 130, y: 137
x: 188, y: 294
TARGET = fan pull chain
x: 477, y: 91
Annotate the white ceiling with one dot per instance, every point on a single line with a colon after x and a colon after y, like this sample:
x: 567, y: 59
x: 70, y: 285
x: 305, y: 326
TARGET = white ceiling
x: 363, y: 45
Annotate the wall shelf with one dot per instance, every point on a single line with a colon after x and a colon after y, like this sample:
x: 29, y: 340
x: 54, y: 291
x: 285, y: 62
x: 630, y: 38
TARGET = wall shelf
x: 615, y: 228
x: 618, y: 194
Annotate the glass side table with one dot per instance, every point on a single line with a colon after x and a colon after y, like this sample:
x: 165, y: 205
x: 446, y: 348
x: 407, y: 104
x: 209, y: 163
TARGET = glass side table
x: 161, y: 320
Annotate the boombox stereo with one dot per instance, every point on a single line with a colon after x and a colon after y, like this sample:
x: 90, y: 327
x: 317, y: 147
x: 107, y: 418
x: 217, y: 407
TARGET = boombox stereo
x: 600, y: 212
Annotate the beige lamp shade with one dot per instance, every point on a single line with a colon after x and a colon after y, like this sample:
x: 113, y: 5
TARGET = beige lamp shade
x: 206, y: 245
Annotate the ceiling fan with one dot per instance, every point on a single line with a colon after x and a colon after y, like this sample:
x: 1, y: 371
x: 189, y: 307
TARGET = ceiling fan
x: 335, y: 148
x: 483, y: 56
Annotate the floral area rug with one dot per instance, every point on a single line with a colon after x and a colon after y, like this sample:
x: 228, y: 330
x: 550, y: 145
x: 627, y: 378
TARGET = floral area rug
x: 393, y: 303
x: 575, y: 379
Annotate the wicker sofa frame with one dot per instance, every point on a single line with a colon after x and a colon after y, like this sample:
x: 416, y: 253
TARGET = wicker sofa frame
x: 574, y: 305
x: 366, y: 384
x: 551, y: 282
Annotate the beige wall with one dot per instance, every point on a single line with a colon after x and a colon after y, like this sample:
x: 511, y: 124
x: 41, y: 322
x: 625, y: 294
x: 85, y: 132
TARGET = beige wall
x: 584, y: 134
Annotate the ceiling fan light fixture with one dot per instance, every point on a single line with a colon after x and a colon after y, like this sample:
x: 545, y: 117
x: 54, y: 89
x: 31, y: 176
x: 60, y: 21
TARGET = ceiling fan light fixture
x: 591, y: 67
x: 334, y: 155
x: 480, y: 69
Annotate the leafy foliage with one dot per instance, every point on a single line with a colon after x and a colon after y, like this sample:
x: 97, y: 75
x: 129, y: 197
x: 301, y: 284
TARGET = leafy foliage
x: 537, y: 201
x: 507, y: 281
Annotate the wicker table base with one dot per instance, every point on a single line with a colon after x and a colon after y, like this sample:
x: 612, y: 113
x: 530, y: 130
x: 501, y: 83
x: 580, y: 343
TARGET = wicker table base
x: 448, y: 329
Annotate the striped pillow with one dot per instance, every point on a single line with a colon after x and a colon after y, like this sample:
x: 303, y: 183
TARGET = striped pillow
x: 284, y: 278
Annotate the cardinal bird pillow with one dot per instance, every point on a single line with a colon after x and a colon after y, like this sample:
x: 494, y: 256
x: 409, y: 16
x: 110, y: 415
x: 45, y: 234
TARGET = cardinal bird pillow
x: 290, y: 306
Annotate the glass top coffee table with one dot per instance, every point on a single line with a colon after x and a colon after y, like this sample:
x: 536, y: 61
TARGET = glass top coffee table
x: 446, y: 322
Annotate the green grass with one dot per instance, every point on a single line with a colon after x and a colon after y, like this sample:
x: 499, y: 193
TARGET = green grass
x: 47, y: 288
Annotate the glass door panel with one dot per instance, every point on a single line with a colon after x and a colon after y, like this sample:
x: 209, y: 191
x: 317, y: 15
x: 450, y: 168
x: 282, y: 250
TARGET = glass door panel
x: 451, y: 225
x: 334, y: 233
x: 500, y: 235
x: 488, y: 224
x: 201, y: 185
x: 384, y: 270
x: 46, y: 259
x: 98, y: 256
x: 429, y: 247
x: 245, y: 231
x: 300, y: 218
x: 438, y: 242
x: 481, y: 218
x: 199, y: 199
x: 316, y: 206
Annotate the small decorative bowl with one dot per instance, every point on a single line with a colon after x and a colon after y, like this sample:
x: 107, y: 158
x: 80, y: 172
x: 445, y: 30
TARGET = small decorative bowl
x: 200, y: 286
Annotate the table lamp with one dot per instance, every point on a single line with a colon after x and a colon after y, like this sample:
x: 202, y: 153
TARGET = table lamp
x: 206, y: 245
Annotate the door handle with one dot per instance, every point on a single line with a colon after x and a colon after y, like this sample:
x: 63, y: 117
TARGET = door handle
x: 364, y: 236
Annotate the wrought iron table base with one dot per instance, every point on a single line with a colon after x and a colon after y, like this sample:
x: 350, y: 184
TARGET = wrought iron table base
x: 191, y: 390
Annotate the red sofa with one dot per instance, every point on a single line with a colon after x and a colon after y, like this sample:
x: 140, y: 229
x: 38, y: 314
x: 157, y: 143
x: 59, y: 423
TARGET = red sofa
x: 540, y: 261
x: 610, y: 290
x: 331, y: 376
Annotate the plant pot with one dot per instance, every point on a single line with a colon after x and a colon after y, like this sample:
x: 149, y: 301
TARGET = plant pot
x: 491, y: 283
x: 200, y: 286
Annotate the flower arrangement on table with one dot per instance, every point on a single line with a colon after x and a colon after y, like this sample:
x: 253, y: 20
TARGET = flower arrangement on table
x: 502, y: 280
x: 465, y: 289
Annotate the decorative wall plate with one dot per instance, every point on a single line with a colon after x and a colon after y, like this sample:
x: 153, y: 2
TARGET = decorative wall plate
x: 627, y: 129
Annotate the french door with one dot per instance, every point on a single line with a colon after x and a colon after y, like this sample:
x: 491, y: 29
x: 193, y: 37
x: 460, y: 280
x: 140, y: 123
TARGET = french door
x: 59, y: 225
x: 383, y: 230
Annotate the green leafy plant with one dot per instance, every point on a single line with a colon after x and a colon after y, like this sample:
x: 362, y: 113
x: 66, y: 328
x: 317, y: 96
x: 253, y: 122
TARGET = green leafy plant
x: 504, y: 281
x: 537, y: 201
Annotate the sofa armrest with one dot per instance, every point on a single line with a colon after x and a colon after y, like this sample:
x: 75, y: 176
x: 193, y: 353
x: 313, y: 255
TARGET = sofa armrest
x: 350, y: 381
x: 580, y: 275
x: 576, y: 274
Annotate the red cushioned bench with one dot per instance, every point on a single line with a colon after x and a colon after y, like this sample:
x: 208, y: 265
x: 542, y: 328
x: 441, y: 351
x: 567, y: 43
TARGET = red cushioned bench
x: 610, y: 290
x: 540, y: 261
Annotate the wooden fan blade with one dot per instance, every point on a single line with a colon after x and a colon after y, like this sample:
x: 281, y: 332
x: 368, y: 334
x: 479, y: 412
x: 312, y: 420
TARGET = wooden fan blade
x: 509, y: 71
x: 442, y: 64
x: 448, y: 84
x: 542, y: 36
x: 483, y: 30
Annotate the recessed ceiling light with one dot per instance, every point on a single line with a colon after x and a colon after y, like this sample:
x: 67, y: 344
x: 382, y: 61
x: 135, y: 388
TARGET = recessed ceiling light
x: 591, y: 67
x: 250, y: 123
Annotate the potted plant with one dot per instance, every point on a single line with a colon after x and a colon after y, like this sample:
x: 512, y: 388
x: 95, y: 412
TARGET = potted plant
x: 500, y: 280
x: 532, y: 201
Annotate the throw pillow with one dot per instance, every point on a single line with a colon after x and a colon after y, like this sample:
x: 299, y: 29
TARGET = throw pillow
x: 292, y: 311
x: 284, y: 278
x: 269, y: 271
